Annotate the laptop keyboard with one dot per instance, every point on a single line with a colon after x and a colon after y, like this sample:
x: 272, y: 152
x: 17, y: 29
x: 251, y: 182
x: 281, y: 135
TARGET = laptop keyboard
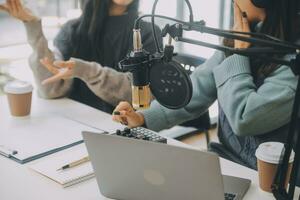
x: 229, y: 196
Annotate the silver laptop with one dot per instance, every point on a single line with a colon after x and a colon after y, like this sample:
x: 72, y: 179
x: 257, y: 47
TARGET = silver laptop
x: 131, y: 169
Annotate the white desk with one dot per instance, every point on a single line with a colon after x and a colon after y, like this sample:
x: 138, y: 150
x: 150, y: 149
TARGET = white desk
x: 17, y: 182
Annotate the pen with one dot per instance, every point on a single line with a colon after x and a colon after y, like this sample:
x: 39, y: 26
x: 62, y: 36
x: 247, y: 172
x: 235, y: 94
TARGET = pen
x: 117, y: 113
x: 7, y: 152
x: 75, y: 163
x: 124, y: 122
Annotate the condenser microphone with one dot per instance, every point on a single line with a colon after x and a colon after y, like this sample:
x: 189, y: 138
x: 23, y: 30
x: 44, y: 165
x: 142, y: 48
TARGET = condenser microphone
x: 137, y: 62
x: 158, y: 75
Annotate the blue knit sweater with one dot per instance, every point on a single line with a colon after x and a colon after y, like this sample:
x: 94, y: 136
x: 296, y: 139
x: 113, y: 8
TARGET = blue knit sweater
x: 250, y: 110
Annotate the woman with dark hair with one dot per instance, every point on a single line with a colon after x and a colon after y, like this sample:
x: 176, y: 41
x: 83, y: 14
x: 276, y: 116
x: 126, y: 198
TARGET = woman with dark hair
x: 87, y: 52
x: 255, y: 97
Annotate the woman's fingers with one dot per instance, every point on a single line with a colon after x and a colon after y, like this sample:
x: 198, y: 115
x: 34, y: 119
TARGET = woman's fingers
x: 120, y: 116
x: 124, y: 106
x: 59, y: 73
x: 19, y: 5
x: 65, y: 64
x: 123, y: 111
x: 237, y: 17
x: 246, y: 26
x: 241, y: 24
x: 121, y: 119
x: 125, y: 114
x: 53, y: 79
x: 4, y: 7
x: 116, y: 118
x: 9, y: 5
x: 48, y: 65
x: 235, y: 14
x: 13, y: 7
x: 16, y: 9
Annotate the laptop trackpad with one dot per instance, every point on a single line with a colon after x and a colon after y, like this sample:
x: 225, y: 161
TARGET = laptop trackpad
x: 236, y: 185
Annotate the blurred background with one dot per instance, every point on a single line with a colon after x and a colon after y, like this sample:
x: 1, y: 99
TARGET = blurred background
x: 14, y: 50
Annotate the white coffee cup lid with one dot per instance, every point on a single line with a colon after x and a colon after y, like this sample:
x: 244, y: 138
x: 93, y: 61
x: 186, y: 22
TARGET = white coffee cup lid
x: 270, y: 152
x: 18, y: 87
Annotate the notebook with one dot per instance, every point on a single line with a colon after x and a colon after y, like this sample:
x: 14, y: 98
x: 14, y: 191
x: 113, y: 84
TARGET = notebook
x: 31, y: 140
x: 48, y: 167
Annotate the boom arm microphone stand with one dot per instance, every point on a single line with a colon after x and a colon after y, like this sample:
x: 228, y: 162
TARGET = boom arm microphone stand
x: 269, y: 49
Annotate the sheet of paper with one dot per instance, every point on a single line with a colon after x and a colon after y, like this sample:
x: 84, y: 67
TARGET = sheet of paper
x: 39, y: 134
x: 48, y: 166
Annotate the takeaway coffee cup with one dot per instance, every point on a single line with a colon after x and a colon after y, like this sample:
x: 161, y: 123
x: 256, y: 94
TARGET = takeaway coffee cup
x: 268, y: 156
x: 19, y: 95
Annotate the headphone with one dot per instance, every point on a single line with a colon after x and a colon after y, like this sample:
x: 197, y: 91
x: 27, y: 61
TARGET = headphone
x: 262, y: 3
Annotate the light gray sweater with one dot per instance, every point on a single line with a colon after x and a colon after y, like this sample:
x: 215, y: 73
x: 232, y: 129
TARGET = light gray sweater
x: 249, y: 110
x: 93, y: 74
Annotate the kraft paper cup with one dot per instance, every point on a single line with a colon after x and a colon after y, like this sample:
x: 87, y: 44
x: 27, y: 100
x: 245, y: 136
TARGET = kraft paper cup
x: 268, y: 157
x: 19, y: 95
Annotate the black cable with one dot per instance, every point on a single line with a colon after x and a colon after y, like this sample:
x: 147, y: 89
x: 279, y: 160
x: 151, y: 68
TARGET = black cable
x: 137, y: 21
x: 153, y: 27
x: 190, y: 10
x: 153, y: 21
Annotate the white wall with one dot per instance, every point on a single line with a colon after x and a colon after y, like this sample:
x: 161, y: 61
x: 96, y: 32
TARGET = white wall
x: 209, y: 11
x: 165, y: 7
x: 203, y: 10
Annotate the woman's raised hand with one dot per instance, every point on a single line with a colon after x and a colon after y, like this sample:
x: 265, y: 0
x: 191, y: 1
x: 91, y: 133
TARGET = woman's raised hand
x: 125, y: 114
x: 16, y: 9
x: 60, y: 69
x: 241, y: 24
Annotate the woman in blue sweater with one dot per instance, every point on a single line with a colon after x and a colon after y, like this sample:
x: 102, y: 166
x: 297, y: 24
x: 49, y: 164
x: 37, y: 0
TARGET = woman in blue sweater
x: 255, y: 97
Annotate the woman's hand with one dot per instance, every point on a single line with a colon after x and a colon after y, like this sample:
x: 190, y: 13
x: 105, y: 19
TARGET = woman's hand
x: 241, y: 24
x: 60, y: 69
x: 125, y: 114
x: 17, y: 10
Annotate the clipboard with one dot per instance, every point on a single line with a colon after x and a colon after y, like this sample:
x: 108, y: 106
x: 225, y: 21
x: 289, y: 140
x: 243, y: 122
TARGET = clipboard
x: 34, y: 137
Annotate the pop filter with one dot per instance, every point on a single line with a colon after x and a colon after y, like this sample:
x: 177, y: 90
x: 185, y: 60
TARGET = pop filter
x: 170, y: 84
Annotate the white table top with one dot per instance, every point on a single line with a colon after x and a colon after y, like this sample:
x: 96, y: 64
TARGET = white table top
x: 19, y: 182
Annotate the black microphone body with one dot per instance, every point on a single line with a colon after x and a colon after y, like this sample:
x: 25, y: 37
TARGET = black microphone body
x: 158, y: 74
x: 138, y: 64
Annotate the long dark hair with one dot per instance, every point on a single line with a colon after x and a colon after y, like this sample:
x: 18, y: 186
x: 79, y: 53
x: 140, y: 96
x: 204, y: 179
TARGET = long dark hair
x: 90, y: 27
x: 282, y: 22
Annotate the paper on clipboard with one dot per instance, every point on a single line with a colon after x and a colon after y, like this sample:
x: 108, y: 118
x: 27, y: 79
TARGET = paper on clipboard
x: 37, y: 136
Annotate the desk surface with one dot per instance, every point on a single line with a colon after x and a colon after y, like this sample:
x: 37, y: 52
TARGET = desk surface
x: 19, y: 182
